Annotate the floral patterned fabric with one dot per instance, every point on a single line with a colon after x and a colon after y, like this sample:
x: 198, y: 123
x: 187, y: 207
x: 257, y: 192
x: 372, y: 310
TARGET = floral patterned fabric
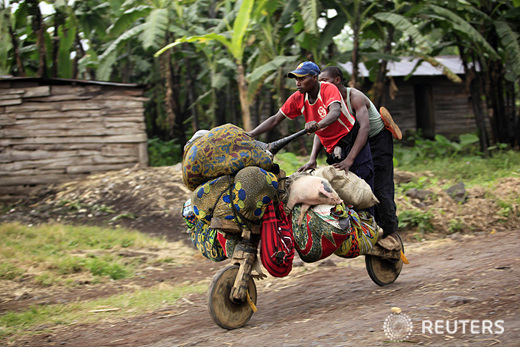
x: 341, y: 231
x: 364, y: 235
x: 206, y: 241
x: 241, y: 199
x: 314, y: 237
x: 223, y: 150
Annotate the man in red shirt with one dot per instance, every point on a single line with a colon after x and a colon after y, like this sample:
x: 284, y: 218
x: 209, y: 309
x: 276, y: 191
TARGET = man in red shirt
x: 325, y: 114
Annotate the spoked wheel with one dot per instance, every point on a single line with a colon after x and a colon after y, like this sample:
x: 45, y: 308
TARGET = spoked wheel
x: 226, y: 313
x: 384, y: 271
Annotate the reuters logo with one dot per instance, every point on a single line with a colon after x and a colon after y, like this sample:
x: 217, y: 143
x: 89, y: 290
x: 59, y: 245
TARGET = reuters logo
x: 398, y: 327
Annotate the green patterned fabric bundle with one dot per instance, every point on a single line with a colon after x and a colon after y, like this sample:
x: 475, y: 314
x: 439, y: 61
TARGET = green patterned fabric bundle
x: 223, y: 150
x: 327, y: 229
x: 206, y: 241
x: 242, y: 199
x: 364, y: 235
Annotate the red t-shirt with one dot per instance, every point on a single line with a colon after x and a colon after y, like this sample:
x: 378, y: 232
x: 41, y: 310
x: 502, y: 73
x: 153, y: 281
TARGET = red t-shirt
x: 298, y: 104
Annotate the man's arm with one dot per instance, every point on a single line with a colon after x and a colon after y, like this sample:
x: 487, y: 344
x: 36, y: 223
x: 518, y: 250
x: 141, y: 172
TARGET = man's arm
x: 331, y: 117
x: 316, y: 148
x: 359, y: 105
x: 267, y: 125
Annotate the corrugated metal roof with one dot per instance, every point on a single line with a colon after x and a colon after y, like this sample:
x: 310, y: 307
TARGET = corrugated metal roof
x: 407, y: 64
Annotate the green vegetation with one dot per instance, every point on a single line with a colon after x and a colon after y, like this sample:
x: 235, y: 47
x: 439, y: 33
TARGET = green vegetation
x: 290, y: 162
x: 457, y: 160
x: 56, y: 254
x: 113, y: 307
x: 164, y: 153
x: 57, y: 250
x: 210, y: 63
x: 422, y: 220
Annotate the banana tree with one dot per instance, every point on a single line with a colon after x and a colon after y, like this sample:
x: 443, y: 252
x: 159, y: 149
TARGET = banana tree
x: 236, y: 42
x: 486, y: 35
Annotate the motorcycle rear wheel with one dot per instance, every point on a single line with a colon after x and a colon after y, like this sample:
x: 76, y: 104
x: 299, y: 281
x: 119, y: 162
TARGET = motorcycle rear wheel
x: 384, y: 271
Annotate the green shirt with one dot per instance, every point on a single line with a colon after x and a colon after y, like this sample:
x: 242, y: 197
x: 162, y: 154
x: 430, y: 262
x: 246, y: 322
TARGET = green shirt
x: 374, y: 118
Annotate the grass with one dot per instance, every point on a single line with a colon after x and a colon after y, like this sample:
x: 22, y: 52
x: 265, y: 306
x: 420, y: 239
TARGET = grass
x: 456, y: 160
x: 52, y: 254
x: 117, y: 306
x: 53, y: 251
x: 473, y: 170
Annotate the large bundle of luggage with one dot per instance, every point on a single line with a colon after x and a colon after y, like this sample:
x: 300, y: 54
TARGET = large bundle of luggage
x: 232, y: 178
x: 223, y: 150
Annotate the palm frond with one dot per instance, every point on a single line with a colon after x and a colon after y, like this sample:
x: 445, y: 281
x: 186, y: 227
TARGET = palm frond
x: 133, y: 32
x: 105, y: 66
x: 155, y: 29
x: 445, y: 70
x: 128, y: 18
x: 401, y: 23
x: 466, y: 29
x: 510, y: 45
x: 271, y: 66
x: 310, y: 15
x: 240, y: 26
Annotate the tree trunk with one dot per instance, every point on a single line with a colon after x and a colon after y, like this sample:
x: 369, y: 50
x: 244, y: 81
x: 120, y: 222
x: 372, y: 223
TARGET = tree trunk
x: 80, y: 53
x: 18, y: 58
x: 379, y: 87
x: 39, y: 29
x: 166, y: 74
x: 474, y: 86
x: 55, y: 47
x: 191, y: 97
x: 354, y: 81
x: 244, y: 103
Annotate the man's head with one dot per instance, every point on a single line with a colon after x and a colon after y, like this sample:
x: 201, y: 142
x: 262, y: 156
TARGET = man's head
x: 304, y: 69
x: 332, y: 74
x: 306, y: 76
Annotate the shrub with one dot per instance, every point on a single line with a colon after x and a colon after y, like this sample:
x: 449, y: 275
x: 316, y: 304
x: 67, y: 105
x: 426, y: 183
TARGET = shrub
x: 164, y: 153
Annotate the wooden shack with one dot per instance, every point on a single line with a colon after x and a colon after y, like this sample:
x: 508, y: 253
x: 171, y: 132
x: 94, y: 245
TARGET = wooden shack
x: 426, y: 99
x: 53, y: 130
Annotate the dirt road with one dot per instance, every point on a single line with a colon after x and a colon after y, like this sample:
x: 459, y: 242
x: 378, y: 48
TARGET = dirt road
x: 470, y: 281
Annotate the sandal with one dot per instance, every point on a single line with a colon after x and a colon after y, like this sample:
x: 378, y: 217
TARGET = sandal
x: 390, y: 124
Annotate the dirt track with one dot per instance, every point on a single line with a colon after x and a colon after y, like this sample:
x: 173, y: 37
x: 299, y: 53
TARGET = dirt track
x: 330, y: 303
x: 334, y: 303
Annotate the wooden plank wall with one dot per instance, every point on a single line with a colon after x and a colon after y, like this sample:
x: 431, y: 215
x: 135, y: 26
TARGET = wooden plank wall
x: 452, y: 109
x: 402, y: 107
x: 53, y: 133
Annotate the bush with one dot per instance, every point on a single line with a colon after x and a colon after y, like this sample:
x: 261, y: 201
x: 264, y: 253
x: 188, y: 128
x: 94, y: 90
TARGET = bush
x: 164, y: 153
x: 424, y: 149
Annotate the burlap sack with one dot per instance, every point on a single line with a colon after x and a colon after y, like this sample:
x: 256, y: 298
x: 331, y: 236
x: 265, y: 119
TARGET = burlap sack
x: 223, y: 150
x: 350, y: 187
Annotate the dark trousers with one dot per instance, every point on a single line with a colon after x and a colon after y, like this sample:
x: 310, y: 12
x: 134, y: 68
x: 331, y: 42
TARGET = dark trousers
x: 382, y: 147
x: 363, y: 165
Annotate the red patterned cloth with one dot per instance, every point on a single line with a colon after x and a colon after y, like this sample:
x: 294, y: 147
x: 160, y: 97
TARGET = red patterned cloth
x: 277, y: 243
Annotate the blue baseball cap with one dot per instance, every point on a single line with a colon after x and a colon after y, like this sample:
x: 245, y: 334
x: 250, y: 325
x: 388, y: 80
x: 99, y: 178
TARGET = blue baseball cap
x: 304, y: 69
